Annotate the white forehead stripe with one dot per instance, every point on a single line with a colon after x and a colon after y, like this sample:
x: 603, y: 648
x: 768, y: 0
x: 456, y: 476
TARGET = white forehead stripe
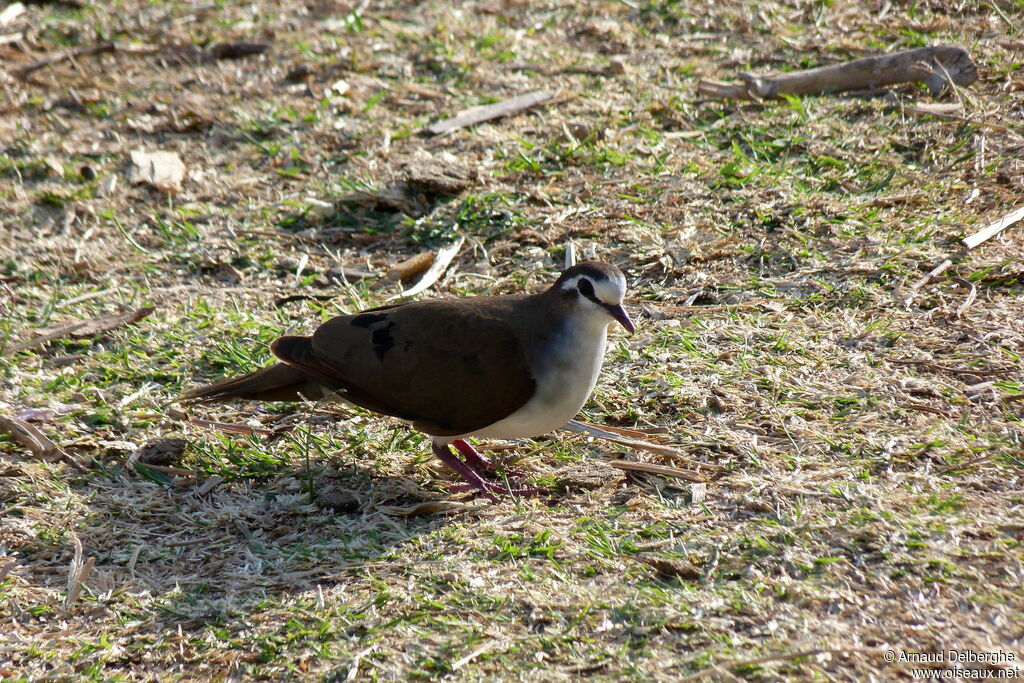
x: 610, y: 291
x: 571, y: 283
x: 607, y: 291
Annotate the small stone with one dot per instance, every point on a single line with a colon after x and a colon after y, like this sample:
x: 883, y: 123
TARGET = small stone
x: 319, y: 210
x: 588, y: 475
x: 161, y: 169
x: 672, y: 568
x: 342, y: 502
x: 162, y: 452
x: 300, y: 72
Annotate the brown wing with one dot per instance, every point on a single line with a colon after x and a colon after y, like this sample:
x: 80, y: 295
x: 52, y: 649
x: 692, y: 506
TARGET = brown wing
x: 449, y: 367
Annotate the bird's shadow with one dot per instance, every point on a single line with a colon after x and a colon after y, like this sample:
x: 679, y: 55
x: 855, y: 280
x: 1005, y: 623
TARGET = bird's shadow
x: 211, y: 548
x: 194, y: 551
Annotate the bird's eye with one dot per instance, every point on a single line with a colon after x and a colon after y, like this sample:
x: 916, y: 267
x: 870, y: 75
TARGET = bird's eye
x: 586, y: 288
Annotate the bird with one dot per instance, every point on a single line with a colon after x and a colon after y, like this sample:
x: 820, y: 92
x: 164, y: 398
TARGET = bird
x: 496, y: 367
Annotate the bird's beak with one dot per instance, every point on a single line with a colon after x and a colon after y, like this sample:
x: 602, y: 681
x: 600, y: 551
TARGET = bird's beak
x: 619, y: 313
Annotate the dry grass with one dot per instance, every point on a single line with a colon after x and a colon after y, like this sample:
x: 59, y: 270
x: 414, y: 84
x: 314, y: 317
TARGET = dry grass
x: 870, y: 432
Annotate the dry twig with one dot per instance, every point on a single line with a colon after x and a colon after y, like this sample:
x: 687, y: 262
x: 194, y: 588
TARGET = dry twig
x: 740, y: 306
x: 651, y: 468
x: 38, y: 443
x: 231, y: 428
x: 616, y: 435
x: 933, y: 273
x: 937, y: 66
x: 84, y: 328
x: 971, y: 241
x: 104, y: 48
x: 428, y: 507
x: 6, y: 567
x: 216, y: 52
x: 471, y: 117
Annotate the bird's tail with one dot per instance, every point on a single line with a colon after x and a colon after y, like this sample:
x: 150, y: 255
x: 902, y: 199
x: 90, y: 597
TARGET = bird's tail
x: 278, y: 382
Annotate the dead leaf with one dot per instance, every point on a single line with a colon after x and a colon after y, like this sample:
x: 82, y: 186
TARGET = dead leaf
x: 588, y: 475
x: 163, y: 170
x: 392, y: 198
x: 366, y: 238
x: 411, y: 267
x: 441, y: 260
x: 53, y: 163
x: 651, y: 468
x: 11, y: 12
x: 443, y: 174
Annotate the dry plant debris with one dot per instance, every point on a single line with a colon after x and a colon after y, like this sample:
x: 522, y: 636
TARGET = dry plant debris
x: 971, y: 241
x: 939, y: 67
x: 163, y: 170
x: 82, y: 328
x: 489, y: 112
x: 411, y: 267
x: 852, y: 411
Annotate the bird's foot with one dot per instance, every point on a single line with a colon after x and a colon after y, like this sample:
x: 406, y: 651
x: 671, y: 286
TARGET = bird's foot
x: 474, y: 477
x: 482, y: 464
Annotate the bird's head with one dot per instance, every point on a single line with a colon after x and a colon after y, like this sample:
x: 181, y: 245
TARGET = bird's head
x: 597, y: 288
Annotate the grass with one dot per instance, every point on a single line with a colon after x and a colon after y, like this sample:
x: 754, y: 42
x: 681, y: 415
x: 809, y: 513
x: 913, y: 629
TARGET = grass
x: 869, y: 433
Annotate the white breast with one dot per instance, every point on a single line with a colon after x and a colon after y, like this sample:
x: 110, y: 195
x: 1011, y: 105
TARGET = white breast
x: 564, y: 382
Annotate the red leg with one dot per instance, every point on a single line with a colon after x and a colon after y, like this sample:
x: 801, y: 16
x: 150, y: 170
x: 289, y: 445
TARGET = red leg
x: 479, y: 463
x: 472, y: 458
x: 475, y: 479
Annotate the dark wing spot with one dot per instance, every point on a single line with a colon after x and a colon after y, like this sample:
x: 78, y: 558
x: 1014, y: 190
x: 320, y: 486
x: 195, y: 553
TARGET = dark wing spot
x: 382, y: 340
x: 367, y: 319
